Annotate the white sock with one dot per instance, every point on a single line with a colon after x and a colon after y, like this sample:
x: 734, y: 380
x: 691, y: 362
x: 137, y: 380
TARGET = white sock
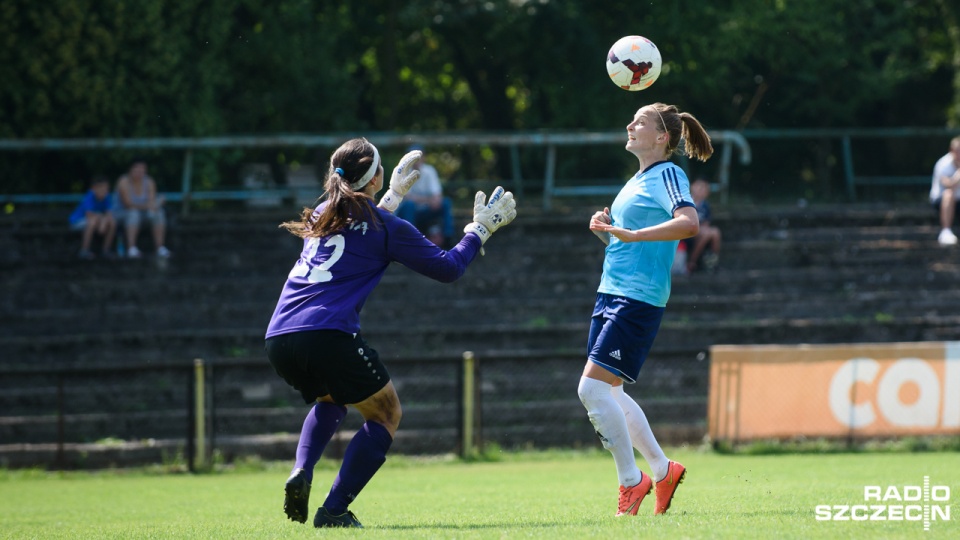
x: 640, y: 433
x: 611, y: 426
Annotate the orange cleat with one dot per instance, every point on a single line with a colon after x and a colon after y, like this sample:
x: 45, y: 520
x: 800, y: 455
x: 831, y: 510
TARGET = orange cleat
x: 631, y: 497
x: 667, y: 486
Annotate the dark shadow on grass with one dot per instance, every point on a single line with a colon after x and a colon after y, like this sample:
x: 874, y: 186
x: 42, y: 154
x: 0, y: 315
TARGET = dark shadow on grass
x: 481, y: 526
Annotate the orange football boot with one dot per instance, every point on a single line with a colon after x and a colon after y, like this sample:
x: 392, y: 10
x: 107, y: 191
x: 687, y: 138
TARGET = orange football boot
x: 631, y: 497
x: 667, y: 486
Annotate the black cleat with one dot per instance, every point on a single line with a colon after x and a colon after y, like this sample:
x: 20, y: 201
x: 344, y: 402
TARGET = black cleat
x: 325, y: 519
x: 297, y: 499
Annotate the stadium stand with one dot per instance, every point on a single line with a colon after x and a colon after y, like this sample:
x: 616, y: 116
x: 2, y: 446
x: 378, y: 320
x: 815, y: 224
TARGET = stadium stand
x: 127, y: 331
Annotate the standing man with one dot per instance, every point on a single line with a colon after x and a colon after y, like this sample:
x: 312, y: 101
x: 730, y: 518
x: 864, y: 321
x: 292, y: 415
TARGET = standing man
x: 943, y: 191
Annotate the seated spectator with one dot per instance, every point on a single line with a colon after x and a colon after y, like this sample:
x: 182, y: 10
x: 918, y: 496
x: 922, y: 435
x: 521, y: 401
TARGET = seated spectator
x: 943, y: 191
x: 425, y: 206
x: 679, y: 267
x: 94, y: 217
x: 139, y: 203
x: 709, y: 236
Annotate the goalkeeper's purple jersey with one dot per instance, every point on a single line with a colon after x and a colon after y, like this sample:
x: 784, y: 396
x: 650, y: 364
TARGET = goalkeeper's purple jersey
x: 329, y: 284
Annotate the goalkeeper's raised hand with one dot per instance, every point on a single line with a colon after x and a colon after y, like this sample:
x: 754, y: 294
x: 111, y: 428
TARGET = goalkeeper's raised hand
x: 403, y: 178
x: 490, y: 216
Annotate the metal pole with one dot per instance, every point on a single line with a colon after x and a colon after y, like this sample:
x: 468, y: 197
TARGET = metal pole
x: 185, y: 182
x: 200, y: 404
x: 549, y: 180
x: 213, y: 411
x: 725, y: 172
x: 61, y: 429
x: 515, y: 166
x: 848, y: 168
x: 191, y: 422
x: 468, y: 403
x: 478, y: 400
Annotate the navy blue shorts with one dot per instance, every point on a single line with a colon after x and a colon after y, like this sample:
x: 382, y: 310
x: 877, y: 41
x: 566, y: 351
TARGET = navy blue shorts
x: 622, y: 331
x: 328, y: 362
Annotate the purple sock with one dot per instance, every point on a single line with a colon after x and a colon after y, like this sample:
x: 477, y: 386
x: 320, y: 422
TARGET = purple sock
x: 363, y: 458
x: 318, y: 428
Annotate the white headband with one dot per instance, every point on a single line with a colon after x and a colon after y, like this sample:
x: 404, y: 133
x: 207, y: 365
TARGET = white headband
x: 371, y: 172
x: 661, y: 120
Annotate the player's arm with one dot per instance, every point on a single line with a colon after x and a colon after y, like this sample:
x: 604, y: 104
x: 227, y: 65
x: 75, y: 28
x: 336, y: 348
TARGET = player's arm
x: 403, y: 178
x: 151, y: 195
x: 123, y: 189
x: 949, y: 182
x: 684, y: 224
x: 410, y: 248
x: 601, y: 218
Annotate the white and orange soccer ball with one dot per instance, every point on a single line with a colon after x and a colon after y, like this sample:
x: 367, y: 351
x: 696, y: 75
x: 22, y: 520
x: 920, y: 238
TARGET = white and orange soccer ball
x: 634, y: 63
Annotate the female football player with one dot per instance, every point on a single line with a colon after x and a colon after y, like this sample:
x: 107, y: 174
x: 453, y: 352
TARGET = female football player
x: 314, y: 341
x: 652, y: 212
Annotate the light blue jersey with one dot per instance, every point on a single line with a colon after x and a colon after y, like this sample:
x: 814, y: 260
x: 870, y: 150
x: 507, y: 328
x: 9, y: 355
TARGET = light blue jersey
x: 641, y: 270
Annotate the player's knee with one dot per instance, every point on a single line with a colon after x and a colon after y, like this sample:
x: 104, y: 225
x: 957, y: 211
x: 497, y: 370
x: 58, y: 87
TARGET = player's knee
x: 590, y: 391
x: 384, y: 408
x: 583, y: 393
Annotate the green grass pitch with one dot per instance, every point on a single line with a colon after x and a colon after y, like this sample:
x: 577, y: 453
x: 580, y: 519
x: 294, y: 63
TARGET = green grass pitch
x: 536, y: 495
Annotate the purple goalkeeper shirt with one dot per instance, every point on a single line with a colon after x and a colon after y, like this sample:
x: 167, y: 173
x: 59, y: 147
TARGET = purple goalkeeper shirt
x: 327, y: 287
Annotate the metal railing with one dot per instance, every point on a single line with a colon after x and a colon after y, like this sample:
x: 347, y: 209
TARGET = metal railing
x: 513, y: 141
x: 552, y: 186
x: 846, y: 135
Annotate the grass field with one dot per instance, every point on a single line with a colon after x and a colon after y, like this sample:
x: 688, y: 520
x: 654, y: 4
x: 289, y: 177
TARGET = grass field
x: 535, y: 495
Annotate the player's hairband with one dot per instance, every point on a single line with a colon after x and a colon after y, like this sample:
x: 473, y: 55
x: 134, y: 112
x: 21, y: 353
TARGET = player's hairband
x: 339, y: 171
x: 371, y: 172
x: 661, y: 119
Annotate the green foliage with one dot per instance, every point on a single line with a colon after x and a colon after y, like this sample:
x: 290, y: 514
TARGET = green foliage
x: 81, y: 68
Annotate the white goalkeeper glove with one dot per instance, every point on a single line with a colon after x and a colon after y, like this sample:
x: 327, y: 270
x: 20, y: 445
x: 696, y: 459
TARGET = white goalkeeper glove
x: 490, y: 216
x: 403, y: 178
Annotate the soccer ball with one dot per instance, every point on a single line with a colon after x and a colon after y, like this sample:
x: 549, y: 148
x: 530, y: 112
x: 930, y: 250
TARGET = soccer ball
x: 633, y: 63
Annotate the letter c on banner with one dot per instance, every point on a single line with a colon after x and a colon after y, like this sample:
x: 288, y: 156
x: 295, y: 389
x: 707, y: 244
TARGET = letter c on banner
x: 844, y: 409
x: 924, y: 412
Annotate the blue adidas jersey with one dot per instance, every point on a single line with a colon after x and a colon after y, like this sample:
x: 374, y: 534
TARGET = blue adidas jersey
x: 641, y: 270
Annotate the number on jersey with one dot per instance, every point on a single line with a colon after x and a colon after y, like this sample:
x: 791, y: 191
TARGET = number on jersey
x: 321, y: 273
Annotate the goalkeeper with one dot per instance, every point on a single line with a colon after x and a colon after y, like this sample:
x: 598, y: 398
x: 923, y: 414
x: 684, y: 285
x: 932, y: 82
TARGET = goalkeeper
x: 314, y: 340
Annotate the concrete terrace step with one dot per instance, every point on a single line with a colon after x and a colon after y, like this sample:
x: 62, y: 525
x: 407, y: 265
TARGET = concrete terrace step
x: 438, y: 312
x: 180, y: 345
x: 486, y: 276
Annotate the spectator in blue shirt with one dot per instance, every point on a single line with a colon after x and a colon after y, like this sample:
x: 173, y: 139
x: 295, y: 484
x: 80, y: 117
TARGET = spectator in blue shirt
x: 94, y: 216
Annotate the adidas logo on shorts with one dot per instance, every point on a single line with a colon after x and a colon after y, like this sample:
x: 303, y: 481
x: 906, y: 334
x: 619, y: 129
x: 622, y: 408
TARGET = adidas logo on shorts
x: 615, y: 354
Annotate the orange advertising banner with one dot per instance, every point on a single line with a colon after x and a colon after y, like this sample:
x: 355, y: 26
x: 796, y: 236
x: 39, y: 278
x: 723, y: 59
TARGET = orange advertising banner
x: 853, y: 390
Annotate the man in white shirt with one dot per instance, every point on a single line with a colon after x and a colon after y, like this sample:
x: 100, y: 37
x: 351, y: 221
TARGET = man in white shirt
x: 425, y: 206
x: 943, y: 191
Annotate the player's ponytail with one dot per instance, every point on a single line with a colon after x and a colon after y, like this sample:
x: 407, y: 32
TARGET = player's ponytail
x: 698, y: 145
x: 350, y: 171
x: 685, y: 126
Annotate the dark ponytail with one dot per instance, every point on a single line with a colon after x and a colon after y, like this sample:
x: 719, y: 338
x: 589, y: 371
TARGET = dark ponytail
x: 348, y: 164
x: 684, y: 126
